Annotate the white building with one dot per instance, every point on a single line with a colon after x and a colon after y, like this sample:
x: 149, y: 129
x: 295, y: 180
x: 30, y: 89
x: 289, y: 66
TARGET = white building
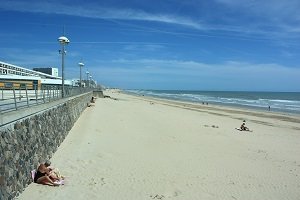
x: 13, y: 73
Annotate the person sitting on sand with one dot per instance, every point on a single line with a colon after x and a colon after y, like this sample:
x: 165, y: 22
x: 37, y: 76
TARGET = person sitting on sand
x: 93, y: 100
x: 243, y: 127
x: 43, y: 175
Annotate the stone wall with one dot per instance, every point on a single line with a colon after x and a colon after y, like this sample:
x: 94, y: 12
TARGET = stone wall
x: 98, y: 93
x: 28, y: 141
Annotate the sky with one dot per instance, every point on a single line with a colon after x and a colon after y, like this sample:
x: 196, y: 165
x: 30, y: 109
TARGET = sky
x: 214, y: 45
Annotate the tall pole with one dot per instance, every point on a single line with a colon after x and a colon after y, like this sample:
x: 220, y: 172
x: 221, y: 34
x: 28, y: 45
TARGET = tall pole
x: 63, y: 41
x: 90, y: 83
x: 80, y: 76
x: 87, y: 78
x: 80, y: 65
x: 63, y: 69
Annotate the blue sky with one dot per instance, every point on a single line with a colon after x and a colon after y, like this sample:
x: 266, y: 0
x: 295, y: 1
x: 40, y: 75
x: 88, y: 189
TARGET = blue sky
x: 160, y: 44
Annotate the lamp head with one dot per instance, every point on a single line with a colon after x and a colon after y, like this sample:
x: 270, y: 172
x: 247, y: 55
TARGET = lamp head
x: 81, y: 64
x: 63, y: 40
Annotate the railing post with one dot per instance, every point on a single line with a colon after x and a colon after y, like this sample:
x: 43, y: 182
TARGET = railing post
x: 66, y: 91
x: 16, y: 107
x: 27, y: 95
x: 48, y: 93
x: 36, y: 95
x: 57, y: 91
x: 50, y: 90
x: 20, y: 94
x: 43, y: 90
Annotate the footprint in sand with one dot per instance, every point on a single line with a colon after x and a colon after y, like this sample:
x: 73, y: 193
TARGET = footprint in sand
x: 167, y: 195
x: 157, y: 196
x: 98, y: 131
x: 173, y: 194
x: 102, y: 181
x: 213, y: 126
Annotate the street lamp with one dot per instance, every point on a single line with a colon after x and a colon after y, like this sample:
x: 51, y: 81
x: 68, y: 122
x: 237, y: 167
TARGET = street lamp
x: 87, y: 78
x: 90, y: 81
x: 63, y: 41
x: 80, y: 65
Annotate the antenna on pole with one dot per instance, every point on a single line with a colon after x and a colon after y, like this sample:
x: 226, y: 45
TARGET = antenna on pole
x: 64, y: 32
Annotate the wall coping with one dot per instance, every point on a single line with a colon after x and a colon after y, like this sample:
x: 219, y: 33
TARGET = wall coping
x: 16, y: 115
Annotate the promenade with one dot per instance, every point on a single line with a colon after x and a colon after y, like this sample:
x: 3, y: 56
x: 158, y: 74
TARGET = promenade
x: 138, y: 148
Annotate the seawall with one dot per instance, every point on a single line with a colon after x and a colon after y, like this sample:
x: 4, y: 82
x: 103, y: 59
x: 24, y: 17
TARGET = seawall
x: 30, y: 136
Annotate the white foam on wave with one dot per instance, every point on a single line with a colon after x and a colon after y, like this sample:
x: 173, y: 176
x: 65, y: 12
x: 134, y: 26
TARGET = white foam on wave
x: 281, y: 100
x: 275, y: 104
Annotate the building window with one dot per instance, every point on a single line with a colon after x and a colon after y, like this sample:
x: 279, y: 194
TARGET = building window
x: 8, y: 85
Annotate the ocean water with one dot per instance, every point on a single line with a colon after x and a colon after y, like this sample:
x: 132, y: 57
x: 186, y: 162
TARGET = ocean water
x: 285, y: 102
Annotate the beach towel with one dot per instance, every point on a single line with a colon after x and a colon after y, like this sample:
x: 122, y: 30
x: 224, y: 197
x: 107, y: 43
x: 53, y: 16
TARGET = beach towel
x: 60, y: 182
x: 243, y: 130
x: 33, y: 173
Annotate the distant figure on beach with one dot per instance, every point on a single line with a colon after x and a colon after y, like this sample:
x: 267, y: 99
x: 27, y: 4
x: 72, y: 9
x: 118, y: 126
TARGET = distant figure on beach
x: 243, y: 127
x: 44, y: 176
x: 269, y: 108
x: 93, y: 100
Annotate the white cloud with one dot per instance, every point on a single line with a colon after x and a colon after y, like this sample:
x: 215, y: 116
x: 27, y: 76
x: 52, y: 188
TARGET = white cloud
x: 192, y: 68
x: 29, y: 57
x: 277, y: 12
x: 231, y: 75
x: 144, y: 47
x: 92, y: 11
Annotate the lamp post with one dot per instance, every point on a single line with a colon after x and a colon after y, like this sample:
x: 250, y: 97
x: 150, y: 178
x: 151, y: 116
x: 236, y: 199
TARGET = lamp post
x: 90, y: 81
x: 80, y: 65
x: 87, y: 78
x: 63, y: 41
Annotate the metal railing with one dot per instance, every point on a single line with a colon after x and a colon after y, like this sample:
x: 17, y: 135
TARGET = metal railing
x: 16, y: 98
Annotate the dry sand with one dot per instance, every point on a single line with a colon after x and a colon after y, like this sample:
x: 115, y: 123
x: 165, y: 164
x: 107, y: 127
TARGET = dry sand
x: 138, y: 148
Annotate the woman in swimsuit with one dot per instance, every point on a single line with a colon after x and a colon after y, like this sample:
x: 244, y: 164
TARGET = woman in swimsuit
x: 43, y: 175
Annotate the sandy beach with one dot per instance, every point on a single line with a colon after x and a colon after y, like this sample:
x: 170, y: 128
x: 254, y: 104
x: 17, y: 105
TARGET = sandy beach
x: 139, y: 148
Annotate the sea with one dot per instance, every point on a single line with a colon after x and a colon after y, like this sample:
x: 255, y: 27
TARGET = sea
x: 283, y: 102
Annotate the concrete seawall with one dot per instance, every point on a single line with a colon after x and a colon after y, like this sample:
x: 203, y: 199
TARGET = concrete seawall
x: 32, y: 135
